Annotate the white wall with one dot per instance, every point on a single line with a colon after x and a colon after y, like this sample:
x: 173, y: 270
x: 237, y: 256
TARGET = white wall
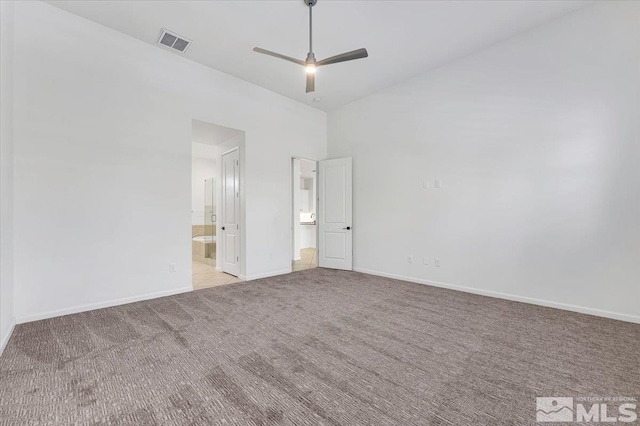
x: 103, y: 163
x: 203, y: 166
x: 536, y: 141
x: 7, y: 316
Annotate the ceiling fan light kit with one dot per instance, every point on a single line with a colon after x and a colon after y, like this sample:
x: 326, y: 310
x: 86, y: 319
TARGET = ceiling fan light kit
x: 310, y: 64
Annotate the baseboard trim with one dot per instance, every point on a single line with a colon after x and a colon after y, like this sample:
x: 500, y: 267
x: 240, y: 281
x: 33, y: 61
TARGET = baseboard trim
x: 100, y: 305
x: 267, y: 274
x: 506, y: 296
x: 5, y: 339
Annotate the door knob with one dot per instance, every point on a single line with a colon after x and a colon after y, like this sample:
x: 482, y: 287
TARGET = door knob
x: 348, y: 228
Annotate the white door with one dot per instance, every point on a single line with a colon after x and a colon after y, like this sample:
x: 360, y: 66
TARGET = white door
x: 335, y: 248
x: 231, y: 213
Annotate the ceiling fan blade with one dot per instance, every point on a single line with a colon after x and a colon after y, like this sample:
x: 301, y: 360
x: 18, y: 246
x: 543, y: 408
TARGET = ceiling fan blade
x: 277, y: 55
x: 311, y: 82
x: 349, y: 56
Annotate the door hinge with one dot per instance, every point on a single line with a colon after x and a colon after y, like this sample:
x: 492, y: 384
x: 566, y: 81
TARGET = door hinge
x: 237, y: 226
x: 237, y: 163
x: 237, y: 259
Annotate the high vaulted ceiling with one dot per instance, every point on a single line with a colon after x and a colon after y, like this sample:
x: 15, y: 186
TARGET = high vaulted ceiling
x: 404, y: 38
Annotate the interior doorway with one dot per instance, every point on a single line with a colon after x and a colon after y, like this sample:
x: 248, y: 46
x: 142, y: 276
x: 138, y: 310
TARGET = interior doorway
x: 210, y: 143
x: 304, y: 202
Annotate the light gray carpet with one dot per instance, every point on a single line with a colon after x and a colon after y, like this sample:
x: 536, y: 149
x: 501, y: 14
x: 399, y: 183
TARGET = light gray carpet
x: 313, y: 347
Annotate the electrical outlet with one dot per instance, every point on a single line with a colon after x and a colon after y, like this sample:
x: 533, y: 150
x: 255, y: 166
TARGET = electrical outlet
x: 436, y: 262
x: 410, y: 259
x: 172, y: 267
x: 425, y: 184
x: 438, y: 183
x: 425, y: 260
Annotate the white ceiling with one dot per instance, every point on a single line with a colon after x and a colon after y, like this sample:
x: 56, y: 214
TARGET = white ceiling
x: 404, y: 38
x: 211, y: 134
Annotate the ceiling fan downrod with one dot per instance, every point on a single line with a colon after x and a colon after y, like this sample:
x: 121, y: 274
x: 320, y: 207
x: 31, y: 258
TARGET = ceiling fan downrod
x: 311, y: 58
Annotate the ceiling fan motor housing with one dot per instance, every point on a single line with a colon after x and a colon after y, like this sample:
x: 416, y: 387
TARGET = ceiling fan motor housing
x: 310, y: 62
x: 311, y: 58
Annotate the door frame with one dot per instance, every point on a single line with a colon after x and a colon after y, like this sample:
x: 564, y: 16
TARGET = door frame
x: 220, y: 213
x: 291, y: 214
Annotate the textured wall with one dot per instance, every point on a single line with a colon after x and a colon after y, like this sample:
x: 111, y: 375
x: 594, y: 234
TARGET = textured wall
x: 103, y: 163
x: 536, y: 142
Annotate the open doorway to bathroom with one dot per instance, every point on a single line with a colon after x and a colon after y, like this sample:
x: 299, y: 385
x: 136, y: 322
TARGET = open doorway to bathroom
x: 209, y: 143
x: 304, y: 201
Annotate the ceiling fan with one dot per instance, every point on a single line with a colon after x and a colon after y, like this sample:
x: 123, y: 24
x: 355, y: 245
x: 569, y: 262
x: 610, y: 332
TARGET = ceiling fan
x: 310, y: 64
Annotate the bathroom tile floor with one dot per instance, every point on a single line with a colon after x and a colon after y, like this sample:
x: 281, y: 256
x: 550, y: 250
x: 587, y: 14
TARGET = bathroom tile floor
x: 205, y: 276
x: 308, y: 260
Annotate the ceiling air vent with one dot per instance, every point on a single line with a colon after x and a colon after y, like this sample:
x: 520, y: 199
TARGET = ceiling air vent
x: 173, y: 40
